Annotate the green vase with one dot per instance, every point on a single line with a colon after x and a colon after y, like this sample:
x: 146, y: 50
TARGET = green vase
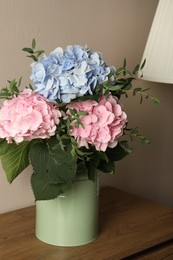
x: 72, y: 218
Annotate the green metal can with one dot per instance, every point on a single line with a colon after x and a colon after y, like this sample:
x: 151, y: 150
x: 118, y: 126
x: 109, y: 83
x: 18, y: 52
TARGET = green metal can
x: 72, y: 218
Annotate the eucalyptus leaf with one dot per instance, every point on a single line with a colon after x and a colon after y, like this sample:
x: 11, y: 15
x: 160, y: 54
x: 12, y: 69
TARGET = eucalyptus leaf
x: 136, y: 69
x: 136, y: 90
x: 124, y: 63
x: 114, y: 88
x: 19, y: 82
x: 33, y: 44
x: 29, y: 50
x: 119, y: 71
x: 5, y: 95
x: 155, y: 100
x: 32, y: 57
x: 128, y: 86
x: 82, y: 113
x: 39, y: 52
x: 143, y: 64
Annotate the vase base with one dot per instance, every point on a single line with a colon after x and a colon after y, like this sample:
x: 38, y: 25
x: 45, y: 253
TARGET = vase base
x: 66, y: 244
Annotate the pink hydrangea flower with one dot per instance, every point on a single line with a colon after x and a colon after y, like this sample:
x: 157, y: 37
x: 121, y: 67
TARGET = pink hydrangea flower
x: 28, y: 116
x: 103, y: 125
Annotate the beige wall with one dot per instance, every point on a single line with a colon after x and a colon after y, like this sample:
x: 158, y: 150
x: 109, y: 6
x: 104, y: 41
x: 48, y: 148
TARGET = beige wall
x: 118, y: 29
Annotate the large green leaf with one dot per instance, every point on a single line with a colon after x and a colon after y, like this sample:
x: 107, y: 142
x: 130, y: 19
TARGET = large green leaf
x: 54, y: 164
x: 3, y: 146
x: 118, y: 152
x: 15, y: 160
x: 81, y: 169
x: 106, y: 166
x: 45, y: 191
x: 92, y: 166
x: 114, y: 154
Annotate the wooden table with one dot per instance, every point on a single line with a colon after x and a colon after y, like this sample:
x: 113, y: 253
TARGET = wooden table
x: 130, y: 228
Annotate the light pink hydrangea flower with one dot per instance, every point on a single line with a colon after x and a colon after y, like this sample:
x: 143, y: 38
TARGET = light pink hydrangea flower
x: 28, y: 116
x: 103, y: 124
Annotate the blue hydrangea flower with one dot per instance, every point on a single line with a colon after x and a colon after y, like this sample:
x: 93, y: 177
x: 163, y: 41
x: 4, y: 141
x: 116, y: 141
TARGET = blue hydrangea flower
x: 67, y: 74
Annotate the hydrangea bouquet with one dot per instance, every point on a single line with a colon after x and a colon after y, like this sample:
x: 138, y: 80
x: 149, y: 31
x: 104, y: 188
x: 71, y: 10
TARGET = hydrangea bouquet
x: 69, y: 121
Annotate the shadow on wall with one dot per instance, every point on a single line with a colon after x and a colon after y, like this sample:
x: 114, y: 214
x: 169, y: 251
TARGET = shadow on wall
x: 149, y: 171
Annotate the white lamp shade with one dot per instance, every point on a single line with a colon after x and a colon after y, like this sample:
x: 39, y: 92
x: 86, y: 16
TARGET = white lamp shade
x: 159, y: 47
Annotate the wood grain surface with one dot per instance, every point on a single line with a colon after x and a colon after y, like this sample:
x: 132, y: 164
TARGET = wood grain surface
x: 127, y: 225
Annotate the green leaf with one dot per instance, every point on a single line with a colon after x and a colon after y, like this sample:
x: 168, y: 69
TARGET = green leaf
x: 119, y: 71
x: 119, y: 152
x: 76, y: 124
x: 128, y: 86
x: 10, y: 90
x: 15, y: 160
x: 33, y: 44
x: 82, y: 113
x: 92, y: 166
x: 4, y: 94
x: 13, y: 86
x: 141, y: 98
x: 106, y: 166
x: 32, y: 57
x: 114, y: 88
x: 129, y: 72
x: 73, y: 111
x: 155, y: 100
x: 30, y: 86
x: 90, y: 97
x: 126, y: 147
x: 45, y: 191
x: 102, y: 156
x: 136, y: 69
x: 124, y: 63
x: 143, y: 64
x: 29, y: 50
x: 81, y: 168
x: 136, y: 90
x: 134, y: 130
x: 55, y: 165
x: 3, y: 147
x: 19, y: 83
x: 144, y: 90
x: 144, y: 139
x: 134, y: 134
x: 39, y: 52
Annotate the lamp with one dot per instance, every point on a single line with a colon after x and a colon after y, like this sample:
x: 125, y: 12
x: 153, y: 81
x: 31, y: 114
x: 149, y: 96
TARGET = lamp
x: 159, y: 47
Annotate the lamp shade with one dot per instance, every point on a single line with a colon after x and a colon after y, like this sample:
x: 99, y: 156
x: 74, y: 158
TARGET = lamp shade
x: 159, y: 47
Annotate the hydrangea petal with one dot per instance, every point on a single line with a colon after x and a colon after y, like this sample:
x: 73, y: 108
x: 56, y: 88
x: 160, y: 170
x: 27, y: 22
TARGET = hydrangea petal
x: 28, y: 116
x: 102, y: 126
x: 75, y: 67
